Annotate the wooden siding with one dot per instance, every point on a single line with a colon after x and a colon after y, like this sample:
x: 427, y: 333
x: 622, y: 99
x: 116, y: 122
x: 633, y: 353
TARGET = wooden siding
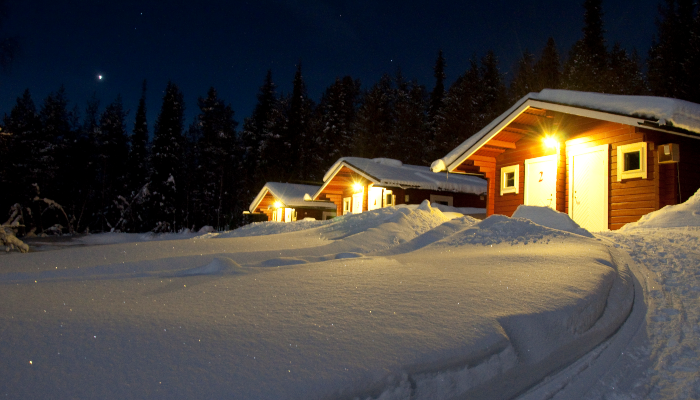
x: 528, y: 147
x: 416, y: 196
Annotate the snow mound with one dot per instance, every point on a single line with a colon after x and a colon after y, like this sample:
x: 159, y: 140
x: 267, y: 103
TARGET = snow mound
x: 501, y: 229
x: 271, y: 228
x: 680, y: 215
x: 282, y: 261
x: 550, y: 218
x: 217, y: 266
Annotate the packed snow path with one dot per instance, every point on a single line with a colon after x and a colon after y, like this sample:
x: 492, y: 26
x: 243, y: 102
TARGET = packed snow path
x: 392, y: 304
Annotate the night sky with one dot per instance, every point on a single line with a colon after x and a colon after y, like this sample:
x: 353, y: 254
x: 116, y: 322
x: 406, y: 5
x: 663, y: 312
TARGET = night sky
x: 231, y: 44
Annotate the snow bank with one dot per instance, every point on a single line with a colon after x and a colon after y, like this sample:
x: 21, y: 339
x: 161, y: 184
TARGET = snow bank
x: 680, y: 215
x: 550, y: 218
x: 394, y: 303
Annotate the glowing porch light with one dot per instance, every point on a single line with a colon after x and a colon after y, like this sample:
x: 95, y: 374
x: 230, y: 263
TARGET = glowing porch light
x: 551, y: 142
x: 357, y: 187
x: 277, y: 204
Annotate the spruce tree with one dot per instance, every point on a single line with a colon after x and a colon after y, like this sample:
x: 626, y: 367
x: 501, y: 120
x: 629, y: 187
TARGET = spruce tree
x: 113, y: 152
x: 255, y: 136
x: 300, y: 145
x: 335, y: 118
x: 138, y: 149
x: 23, y: 162
x: 166, y: 161
x: 624, y: 73
x: 586, y: 67
x: 547, y: 69
x: 524, y: 78
x: 216, y: 164
x: 374, y: 120
x: 437, y: 95
x: 669, y: 50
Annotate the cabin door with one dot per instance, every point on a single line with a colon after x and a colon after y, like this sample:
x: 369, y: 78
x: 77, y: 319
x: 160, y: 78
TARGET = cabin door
x: 357, y: 202
x: 541, y: 181
x: 588, y: 187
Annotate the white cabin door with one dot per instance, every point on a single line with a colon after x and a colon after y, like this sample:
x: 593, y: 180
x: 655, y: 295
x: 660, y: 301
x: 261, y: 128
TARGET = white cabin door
x: 375, y: 197
x: 357, y: 202
x: 541, y: 181
x: 588, y: 187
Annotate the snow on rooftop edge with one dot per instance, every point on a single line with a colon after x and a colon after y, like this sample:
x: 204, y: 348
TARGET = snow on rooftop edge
x: 391, y: 172
x: 677, y: 113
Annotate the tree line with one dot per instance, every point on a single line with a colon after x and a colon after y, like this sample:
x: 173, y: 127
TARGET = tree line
x: 64, y: 172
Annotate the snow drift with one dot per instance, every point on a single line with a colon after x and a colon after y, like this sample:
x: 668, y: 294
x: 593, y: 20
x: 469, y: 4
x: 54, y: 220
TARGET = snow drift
x: 393, y: 303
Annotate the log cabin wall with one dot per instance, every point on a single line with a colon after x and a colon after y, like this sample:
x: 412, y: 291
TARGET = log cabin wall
x: 628, y: 200
x: 528, y: 147
x: 416, y: 196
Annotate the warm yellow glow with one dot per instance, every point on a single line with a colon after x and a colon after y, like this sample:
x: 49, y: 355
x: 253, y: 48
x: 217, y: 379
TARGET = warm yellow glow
x: 277, y: 204
x: 550, y: 141
x: 357, y: 187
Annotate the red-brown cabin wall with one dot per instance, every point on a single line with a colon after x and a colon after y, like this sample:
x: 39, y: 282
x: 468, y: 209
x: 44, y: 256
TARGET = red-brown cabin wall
x: 416, y: 196
x: 526, y: 148
x: 628, y: 200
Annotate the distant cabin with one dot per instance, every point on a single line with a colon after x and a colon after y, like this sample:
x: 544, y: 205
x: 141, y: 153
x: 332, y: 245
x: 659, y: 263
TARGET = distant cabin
x: 606, y: 160
x: 357, y: 184
x: 287, y: 202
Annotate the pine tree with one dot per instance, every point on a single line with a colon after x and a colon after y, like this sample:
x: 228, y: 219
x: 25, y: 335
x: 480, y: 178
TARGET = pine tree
x: 459, y: 117
x: 666, y: 73
x: 255, y: 136
x: 166, y: 160
x: 438, y: 94
x: 113, y: 152
x: 23, y: 161
x: 301, y: 147
x: 410, y: 125
x: 547, y: 69
x: 216, y: 164
x: 138, y: 150
x: 374, y: 120
x: 625, y: 75
x: 691, y: 65
x: 586, y: 67
x: 335, y: 118
x: 493, y: 98
x: 524, y: 78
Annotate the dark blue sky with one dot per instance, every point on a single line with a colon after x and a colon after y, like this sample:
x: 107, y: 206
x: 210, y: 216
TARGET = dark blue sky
x: 231, y: 44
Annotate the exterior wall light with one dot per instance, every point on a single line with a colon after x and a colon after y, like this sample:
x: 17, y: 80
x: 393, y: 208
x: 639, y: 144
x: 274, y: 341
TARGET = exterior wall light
x: 357, y: 187
x: 277, y: 205
x: 550, y: 142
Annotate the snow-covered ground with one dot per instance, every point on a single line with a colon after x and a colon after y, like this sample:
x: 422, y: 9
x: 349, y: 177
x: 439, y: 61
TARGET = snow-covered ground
x: 396, y: 303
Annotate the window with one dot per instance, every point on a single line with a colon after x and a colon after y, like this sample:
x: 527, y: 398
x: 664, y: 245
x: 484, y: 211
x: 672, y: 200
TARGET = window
x: 632, y: 161
x: 444, y: 200
x: 510, y: 178
x: 389, y: 198
x: 346, y: 205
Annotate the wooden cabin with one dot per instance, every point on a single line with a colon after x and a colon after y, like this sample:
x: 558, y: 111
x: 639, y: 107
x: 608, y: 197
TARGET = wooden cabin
x: 357, y: 184
x: 606, y: 160
x: 288, y: 202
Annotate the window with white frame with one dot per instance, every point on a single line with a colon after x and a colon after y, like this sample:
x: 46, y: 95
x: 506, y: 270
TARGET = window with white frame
x: 632, y: 161
x: 347, y: 201
x: 510, y: 177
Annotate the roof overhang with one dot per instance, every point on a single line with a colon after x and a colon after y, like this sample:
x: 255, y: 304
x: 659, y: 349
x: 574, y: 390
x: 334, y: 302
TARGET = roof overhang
x: 337, y: 167
x: 482, y: 137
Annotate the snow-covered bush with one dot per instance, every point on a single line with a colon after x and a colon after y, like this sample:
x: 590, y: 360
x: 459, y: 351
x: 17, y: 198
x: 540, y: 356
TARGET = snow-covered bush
x: 8, y: 230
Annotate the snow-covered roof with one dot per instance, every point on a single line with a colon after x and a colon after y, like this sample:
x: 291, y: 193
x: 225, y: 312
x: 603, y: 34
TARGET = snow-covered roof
x: 291, y: 195
x: 671, y: 115
x: 392, y: 173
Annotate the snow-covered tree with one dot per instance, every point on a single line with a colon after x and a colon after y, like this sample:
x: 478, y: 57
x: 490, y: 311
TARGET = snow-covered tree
x: 586, y: 67
x: 137, y: 166
x: 524, y: 79
x: 335, y: 117
x: 216, y: 162
x: 547, y: 69
x: 166, y: 161
x: 374, y: 120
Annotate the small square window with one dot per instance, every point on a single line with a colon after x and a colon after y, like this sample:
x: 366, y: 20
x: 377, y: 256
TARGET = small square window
x: 510, y: 179
x: 632, y: 161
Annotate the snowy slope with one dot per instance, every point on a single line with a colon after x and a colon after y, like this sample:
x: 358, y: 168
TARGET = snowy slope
x: 393, y: 303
